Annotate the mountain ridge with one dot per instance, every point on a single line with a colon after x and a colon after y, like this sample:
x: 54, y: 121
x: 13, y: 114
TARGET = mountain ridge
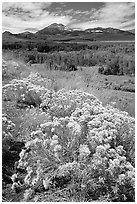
x: 62, y: 27
x: 60, y: 32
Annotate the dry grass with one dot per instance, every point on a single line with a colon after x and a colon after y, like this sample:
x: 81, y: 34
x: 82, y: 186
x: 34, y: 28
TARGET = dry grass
x: 89, y: 80
x: 16, y: 69
x: 86, y: 79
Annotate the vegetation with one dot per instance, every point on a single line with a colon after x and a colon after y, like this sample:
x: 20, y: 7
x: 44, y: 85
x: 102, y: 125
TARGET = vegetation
x: 65, y: 144
x: 111, y: 59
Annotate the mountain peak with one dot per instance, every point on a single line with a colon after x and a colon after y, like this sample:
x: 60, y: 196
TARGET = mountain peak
x: 53, y: 29
x: 7, y: 33
x: 56, y: 25
x: 26, y: 33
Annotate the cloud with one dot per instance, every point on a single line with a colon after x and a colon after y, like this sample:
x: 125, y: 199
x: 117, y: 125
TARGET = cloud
x: 116, y: 15
x: 70, y: 11
x: 33, y: 16
x: 34, y: 8
x: 18, y: 17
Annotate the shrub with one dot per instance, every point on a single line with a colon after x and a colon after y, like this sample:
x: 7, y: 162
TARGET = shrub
x: 81, y: 145
x: 26, y: 92
x: 101, y: 69
x: 10, y: 149
x: 104, y: 70
x: 10, y: 70
x: 117, y: 64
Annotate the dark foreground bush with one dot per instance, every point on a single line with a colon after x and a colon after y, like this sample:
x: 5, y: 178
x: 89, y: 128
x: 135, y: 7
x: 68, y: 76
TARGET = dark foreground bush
x: 10, y: 149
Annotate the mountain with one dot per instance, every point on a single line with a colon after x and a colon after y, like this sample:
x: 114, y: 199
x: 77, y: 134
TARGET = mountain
x: 107, y: 31
x: 53, y: 29
x: 103, y: 30
x: 56, y: 26
x: 8, y: 37
x: 25, y: 35
x: 132, y: 31
x: 61, y: 33
x: 7, y: 33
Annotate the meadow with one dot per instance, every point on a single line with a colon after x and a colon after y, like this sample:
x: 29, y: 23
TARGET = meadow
x: 68, y: 125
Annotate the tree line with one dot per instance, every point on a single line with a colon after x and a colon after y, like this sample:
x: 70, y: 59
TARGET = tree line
x: 117, y: 59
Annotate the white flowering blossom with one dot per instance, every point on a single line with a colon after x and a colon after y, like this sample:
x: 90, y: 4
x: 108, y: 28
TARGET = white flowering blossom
x: 84, y: 150
x: 27, y: 195
x: 57, y: 148
x: 46, y: 183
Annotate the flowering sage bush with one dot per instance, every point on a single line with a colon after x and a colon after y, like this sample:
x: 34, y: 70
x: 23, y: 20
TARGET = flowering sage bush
x: 84, y: 145
x: 7, y: 127
x: 27, y: 91
x: 10, y: 69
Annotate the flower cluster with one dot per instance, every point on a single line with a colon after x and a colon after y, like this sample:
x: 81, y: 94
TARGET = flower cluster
x: 28, y: 90
x: 83, y: 152
x: 84, y: 139
x: 4, y: 66
x: 7, y: 126
x: 12, y: 69
x: 7, y: 64
x: 62, y: 103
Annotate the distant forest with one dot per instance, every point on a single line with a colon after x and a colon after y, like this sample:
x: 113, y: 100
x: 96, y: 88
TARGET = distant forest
x: 47, y: 46
x: 116, y: 58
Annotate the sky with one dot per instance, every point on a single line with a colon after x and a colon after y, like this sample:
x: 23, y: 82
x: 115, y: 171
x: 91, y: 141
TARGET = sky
x: 33, y: 16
